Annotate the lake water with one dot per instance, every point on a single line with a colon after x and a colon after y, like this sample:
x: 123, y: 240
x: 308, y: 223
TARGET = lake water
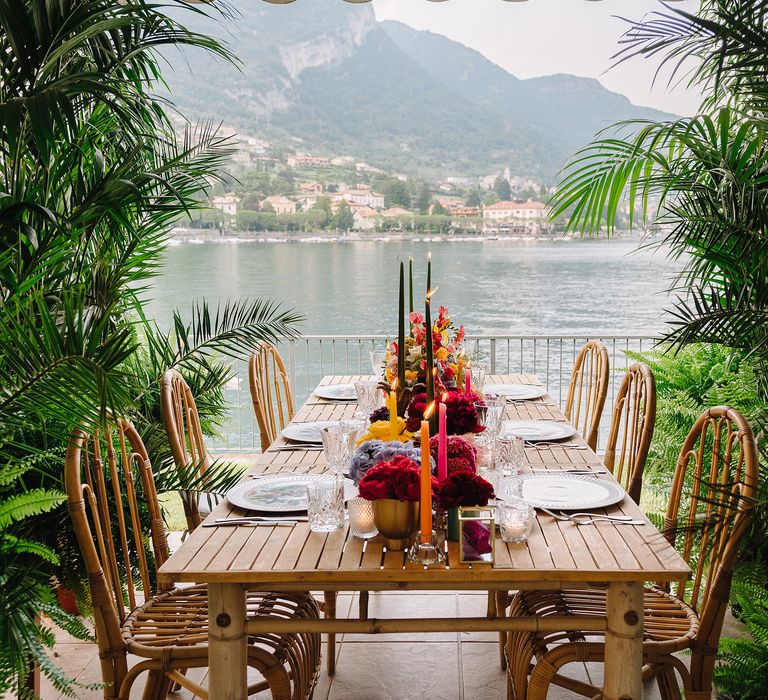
x: 505, y: 287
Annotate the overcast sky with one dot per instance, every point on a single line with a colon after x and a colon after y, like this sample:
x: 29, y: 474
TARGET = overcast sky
x: 541, y: 37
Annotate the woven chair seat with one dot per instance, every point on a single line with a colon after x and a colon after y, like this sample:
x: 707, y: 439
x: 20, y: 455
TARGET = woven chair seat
x: 172, y: 629
x: 669, y: 625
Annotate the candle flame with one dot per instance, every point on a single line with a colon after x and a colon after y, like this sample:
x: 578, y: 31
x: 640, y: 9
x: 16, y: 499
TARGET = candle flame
x: 429, y: 255
x: 431, y: 292
x: 429, y: 410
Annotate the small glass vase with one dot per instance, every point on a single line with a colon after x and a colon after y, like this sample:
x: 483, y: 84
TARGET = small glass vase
x: 452, y: 524
x: 396, y: 521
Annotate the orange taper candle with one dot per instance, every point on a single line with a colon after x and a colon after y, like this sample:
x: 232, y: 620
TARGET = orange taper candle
x: 426, y: 480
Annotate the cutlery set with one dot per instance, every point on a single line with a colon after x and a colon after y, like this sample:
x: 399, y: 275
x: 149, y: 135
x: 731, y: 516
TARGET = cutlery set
x: 590, y: 518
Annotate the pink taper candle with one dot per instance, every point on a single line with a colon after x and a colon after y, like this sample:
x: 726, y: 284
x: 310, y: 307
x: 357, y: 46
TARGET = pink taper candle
x: 425, y: 510
x: 442, y: 444
x: 467, y: 382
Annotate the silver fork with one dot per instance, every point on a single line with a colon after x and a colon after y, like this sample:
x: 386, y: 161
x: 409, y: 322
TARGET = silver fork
x: 592, y: 518
x: 544, y: 444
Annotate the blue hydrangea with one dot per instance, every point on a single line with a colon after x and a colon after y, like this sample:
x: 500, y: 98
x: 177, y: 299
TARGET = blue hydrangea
x: 374, y: 451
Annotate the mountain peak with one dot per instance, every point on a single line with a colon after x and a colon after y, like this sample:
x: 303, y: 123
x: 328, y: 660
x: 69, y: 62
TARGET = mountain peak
x: 327, y: 73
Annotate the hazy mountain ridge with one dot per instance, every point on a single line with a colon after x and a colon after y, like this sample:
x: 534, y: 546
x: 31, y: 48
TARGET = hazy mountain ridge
x: 328, y: 73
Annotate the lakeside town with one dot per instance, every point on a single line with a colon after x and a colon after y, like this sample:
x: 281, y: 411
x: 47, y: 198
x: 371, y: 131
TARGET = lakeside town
x: 288, y: 192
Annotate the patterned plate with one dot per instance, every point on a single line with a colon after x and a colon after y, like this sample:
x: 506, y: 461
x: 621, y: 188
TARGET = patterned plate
x: 536, y: 430
x: 281, y: 493
x: 336, y: 392
x: 570, y: 491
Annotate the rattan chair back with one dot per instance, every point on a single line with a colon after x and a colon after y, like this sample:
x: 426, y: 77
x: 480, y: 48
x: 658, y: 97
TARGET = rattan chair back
x: 634, y: 417
x: 710, y: 506
x: 109, y: 484
x: 185, y: 435
x: 587, y: 390
x: 270, y: 392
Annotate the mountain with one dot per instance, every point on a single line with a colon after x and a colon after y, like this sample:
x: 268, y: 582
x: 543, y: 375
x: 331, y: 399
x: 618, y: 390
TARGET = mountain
x: 327, y: 73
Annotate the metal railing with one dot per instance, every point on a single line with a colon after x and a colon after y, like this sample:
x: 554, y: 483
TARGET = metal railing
x: 311, y: 357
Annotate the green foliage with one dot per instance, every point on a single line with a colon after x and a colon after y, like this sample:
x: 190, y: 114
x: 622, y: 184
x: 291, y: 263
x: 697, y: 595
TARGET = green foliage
x: 742, y: 670
x: 423, y: 199
x: 396, y: 193
x: 688, y: 382
x: 502, y: 189
x: 92, y: 176
x: 439, y: 210
x: 473, y: 199
x: 343, y: 218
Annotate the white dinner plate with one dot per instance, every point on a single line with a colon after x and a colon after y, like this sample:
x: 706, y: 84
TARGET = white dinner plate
x: 336, y: 392
x: 570, y: 491
x: 536, y: 430
x: 306, y: 432
x: 279, y: 493
x: 517, y: 392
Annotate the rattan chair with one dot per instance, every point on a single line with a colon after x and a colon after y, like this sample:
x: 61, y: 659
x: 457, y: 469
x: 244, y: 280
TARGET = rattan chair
x: 182, y: 424
x: 634, y: 418
x: 113, y: 503
x: 270, y: 392
x: 587, y: 390
x: 185, y: 437
x: 710, y: 508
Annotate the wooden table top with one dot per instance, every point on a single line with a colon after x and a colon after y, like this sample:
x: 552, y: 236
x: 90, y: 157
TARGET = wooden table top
x: 558, y: 554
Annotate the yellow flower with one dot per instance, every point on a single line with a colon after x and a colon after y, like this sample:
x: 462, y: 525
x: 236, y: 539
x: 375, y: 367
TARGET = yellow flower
x: 410, y: 375
x: 441, y: 354
x: 385, y: 431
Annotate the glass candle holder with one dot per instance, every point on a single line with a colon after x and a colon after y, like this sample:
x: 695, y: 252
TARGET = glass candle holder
x: 477, y: 534
x: 361, y: 523
x: 477, y: 374
x: 515, y: 521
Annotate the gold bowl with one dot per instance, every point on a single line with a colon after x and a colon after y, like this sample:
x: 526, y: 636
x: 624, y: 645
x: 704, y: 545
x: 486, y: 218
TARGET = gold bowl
x: 396, y: 521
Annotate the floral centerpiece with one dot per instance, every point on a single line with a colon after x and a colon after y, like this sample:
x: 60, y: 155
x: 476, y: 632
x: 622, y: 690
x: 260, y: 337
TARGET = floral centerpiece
x: 449, y: 359
x: 395, y: 489
x: 373, y: 452
x: 462, y: 455
x: 460, y: 414
x: 461, y: 489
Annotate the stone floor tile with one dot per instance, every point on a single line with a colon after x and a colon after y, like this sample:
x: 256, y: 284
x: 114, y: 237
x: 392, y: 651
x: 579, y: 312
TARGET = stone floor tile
x: 397, y: 671
x: 475, y: 606
x: 405, y: 605
x: 482, y: 677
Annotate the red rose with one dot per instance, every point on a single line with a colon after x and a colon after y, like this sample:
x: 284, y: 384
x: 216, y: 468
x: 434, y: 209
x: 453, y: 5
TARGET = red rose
x: 464, y: 489
x: 462, y: 455
x: 399, y: 478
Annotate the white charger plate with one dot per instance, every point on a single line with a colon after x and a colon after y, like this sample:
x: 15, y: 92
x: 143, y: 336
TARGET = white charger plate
x: 336, y: 392
x: 309, y: 432
x: 536, y: 430
x: 570, y: 491
x: 517, y: 392
x: 281, y: 493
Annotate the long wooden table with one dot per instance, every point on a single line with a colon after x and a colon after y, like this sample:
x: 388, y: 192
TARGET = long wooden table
x: 558, y: 554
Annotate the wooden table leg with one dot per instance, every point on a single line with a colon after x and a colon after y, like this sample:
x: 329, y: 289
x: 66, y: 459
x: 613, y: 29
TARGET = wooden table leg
x: 624, y: 641
x: 228, y: 651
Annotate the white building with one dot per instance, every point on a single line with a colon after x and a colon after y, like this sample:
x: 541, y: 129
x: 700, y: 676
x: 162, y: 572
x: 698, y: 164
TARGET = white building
x: 363, y: 194
x: 227, y: 203
x: 516, y: 217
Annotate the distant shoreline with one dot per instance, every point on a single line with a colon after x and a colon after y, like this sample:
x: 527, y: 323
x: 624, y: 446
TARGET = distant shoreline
x: 198, y: 236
